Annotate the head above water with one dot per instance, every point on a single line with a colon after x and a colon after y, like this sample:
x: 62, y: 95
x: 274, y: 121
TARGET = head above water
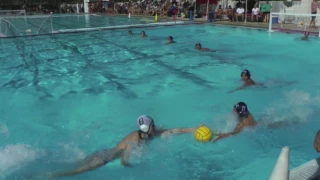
x: 240, y: 109
x: 146, y: 124
x: 143, y: 33
x: 129, y: 32
x: 170, y: 38
x: 306, y: 34
x: 198, y: 46
x: 245, y: 75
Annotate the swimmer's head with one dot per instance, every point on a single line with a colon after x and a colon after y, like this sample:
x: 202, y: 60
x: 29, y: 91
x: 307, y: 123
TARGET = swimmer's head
x: 143, y: 33
x: 129, y: 32
x: 146, y: 124
x: 245, y: 75
x: 306, y: 34
x: 240, y: 109
x: 170, y: 38
x: 198, y: 46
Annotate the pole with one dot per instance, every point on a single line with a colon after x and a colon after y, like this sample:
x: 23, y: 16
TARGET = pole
x: 195, y: 7
x: 208, y: 10
x: 51, y: 24
x: 270, y: 22
x: 246, y: 11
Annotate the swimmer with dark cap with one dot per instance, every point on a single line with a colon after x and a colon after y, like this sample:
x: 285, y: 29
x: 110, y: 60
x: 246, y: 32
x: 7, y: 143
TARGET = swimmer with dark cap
x: 129, y: 32
x: 199, y: 47
x: 306, y: 36
x: 246, y: 78
x: 245, y: 119
x: 170, y: 40
x: 147, y: 131
x: 143, y: 34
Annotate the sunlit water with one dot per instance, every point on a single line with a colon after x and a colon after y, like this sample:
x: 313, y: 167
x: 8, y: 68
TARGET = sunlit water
x: 68, y: 95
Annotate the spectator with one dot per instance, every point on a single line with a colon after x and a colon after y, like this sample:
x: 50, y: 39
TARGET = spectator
x: 240, y: 13
x: 314, y: 7
x: 255, y: 14
x: 230, y: 13
x: 219, y: 13
x: 265, y: 9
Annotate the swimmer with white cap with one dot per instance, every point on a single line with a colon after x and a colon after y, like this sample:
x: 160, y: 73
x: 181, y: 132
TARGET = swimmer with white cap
x: 147, y: 131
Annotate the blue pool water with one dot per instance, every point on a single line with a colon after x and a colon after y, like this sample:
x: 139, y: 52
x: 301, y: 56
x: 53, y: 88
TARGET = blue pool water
x: 68, y: 95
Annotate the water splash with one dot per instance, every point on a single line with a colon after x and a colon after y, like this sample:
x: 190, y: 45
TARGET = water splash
x: 14, y: 157
x: 295, y: 106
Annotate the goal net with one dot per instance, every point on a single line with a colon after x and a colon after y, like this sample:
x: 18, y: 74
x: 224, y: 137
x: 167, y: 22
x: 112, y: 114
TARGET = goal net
x: 12, y: 26
x: 291, y: 22
x: 12, y: 13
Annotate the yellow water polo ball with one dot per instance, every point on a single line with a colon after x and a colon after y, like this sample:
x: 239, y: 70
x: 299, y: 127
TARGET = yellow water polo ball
x: 301, y: 23
x: 203, y: 134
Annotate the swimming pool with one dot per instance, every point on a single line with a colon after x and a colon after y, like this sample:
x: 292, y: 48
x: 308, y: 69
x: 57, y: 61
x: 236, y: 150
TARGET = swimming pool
x: 68, y: 95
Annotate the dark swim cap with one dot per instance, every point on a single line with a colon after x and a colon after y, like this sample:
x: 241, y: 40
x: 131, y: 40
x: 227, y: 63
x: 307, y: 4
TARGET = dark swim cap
x: 246, y: 72
x: 241, y: 108
x: 198, y: 44
x: 170, y: 37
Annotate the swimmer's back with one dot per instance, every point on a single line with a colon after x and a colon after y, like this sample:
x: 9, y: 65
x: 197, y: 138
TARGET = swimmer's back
x: 132, y: 138
x: 249, y: 121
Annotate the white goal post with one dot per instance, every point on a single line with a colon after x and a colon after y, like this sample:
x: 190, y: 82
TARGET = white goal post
x: 292, y: 22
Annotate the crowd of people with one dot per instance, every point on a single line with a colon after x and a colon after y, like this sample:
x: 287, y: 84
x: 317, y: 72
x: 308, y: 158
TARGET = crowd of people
x: 147, y: 7
x: 238, y: 13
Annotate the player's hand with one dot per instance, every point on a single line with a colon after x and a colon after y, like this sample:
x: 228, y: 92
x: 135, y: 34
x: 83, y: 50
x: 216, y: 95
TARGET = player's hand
x: 218, y: 136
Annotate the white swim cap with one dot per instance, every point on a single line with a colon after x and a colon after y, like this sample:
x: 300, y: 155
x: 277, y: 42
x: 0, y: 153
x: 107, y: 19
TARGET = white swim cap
x: 144, y: 122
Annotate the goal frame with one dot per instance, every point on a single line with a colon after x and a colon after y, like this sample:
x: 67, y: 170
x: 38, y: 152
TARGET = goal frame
x: 276, y: 14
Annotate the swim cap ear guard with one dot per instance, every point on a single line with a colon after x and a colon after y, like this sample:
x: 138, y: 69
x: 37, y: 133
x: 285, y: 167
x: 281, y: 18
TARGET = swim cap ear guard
x: 144, y: 123
x: 241, y: 109
x: 246, y: 72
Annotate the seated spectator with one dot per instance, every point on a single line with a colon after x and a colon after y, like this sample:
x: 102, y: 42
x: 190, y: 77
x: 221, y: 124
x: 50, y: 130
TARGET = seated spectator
x: 240, y: 12
x: 219, y: 13
x: 255, y: 14
x: 230, y: 13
